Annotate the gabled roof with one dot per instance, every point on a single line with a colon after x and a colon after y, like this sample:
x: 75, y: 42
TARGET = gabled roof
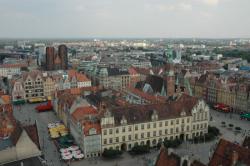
x: 88, y: 125
x: 143, y: 113
x: 246, y: 142
x: 16, y: 134
x: 165, y: 159
x: 33, y: 133
x: 31, y: 130
x: 81, y: 112
x: 171, y: 159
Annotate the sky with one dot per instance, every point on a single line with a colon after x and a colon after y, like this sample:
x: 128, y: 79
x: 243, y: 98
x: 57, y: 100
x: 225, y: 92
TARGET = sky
x: 124, y: 18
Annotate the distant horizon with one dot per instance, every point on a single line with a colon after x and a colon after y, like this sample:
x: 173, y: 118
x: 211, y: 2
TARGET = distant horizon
x: 139, y: 38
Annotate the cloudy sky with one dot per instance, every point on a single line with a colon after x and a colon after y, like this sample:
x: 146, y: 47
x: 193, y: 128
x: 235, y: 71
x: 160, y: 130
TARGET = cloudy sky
x: 124, y: 18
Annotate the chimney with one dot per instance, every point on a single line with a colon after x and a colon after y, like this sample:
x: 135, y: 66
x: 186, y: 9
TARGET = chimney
x: 234, y: 158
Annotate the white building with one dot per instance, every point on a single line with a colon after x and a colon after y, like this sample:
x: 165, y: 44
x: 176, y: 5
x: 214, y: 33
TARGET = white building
x: 10, y: 69
x: 123, y: 128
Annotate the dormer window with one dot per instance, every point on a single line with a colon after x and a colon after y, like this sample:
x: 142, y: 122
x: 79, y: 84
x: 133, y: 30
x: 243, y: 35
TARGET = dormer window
x: 107, y: 114
x: 92, y: 131
x: 123, y: 120
x: 183, y: 113
x: 154, y: 116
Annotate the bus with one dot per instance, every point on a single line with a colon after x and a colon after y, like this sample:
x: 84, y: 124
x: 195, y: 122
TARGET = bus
x: 18, y: 101
x: 37, y: 100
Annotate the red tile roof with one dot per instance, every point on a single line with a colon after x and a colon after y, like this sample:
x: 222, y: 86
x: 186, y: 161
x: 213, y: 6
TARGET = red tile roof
x: 33, y: 133
x: 165, y: 159
x: 81, y: 112
x: 227, y: 153
x: 132, y: 71
x: 79, y: 76
x: 146, y: 96
x: 89, y: 125
x: 17, y: 65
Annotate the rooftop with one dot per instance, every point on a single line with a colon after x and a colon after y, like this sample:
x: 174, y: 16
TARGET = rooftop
x: 228, y: 153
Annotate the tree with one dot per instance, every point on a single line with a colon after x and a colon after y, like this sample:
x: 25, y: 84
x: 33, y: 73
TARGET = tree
x: 140, y: 149
x: 172, y: 143
x: 111, y: 153
x: 214, y: 130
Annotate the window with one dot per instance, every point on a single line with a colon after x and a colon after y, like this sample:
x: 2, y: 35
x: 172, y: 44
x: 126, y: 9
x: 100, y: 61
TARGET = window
x: 177, y: 121
x: 142, y: 135
x: 148, y: 126
x: 148, y: 134
x: 166, y: 123
x: 110, y: 131
x: 154, y: 125
x: 205, y: 125
x: 123, y: 129
x: 123, y: 138
x: 182, y: 128
x: 129, y: 137
x: 154, y: 133
x: 110, y: 140
x: 187, y: 128
x: 187, y: 120
x: 129, y: 128
x: 117, y: 131
x: 160, y: 132
x: 193, y: 127
x: 136, y: 127
x: 105, y: 141
x: 160, y: 124
x: 177, y: 130
x: 136, y: 136
x: 171, y: 131
x: 172, y: 122
x: 182, y: 121
x: 142, y: 126
x: 104, y: 132
x: 166, y: 131
x: 117, y: 139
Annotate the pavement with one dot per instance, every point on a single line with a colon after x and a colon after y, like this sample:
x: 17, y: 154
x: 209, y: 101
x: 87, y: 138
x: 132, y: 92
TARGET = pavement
x: 202, y: 151
x: 27, y: 114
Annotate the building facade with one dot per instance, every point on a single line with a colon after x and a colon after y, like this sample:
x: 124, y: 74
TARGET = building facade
x: 152, y: 124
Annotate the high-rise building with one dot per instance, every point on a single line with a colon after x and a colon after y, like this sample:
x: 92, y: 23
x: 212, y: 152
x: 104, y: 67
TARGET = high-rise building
x: 56, y: 60
x: 50, y: 54
x: 63, y: 54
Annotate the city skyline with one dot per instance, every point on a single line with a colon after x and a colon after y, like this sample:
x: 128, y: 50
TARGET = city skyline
x: 129, y: 19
